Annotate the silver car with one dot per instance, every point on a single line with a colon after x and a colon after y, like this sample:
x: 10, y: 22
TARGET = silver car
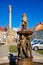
x: 37, y: 45
x: 35, y: 41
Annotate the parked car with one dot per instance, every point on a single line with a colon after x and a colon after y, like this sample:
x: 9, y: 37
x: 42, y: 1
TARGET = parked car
x: 35, y: 41
x: 37, y: 46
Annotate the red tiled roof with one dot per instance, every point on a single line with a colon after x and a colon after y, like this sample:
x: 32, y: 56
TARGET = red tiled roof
x: 2, y: 29
x: 39, y: 27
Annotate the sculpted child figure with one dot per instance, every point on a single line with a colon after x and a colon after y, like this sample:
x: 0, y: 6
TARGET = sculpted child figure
x: 22, y: 46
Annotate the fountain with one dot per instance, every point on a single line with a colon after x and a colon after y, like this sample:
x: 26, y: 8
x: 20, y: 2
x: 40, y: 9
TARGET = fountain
x: 24, y: 47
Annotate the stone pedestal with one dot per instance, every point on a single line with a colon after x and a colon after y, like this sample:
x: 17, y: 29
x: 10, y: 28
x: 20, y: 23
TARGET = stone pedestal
x: 25, y: 61
x: 10, y: 36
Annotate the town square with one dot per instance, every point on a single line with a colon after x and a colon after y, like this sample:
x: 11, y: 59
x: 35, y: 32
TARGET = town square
x: 21, y: 32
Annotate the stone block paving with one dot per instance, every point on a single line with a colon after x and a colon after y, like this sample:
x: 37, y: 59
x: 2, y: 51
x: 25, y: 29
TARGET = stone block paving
x: 37, y: 57
x: 4, y: 50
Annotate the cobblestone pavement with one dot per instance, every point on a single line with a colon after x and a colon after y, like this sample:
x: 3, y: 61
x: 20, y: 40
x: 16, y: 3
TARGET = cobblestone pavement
x: 37, y: 57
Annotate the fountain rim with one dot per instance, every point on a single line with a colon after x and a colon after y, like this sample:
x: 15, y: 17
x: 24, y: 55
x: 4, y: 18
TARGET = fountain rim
x: 24, y: 32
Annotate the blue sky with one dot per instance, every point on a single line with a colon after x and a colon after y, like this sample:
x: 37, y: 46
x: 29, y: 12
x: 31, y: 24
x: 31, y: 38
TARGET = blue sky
x: 33, y: 9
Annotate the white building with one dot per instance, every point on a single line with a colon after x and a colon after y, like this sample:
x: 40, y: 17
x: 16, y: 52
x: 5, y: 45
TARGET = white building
x: 3, y: 34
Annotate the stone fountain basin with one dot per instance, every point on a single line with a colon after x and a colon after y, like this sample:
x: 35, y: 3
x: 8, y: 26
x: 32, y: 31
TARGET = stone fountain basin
x: 24, y: 32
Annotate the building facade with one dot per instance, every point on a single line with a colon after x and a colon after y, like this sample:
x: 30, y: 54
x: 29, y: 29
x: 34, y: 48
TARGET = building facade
x: 38, y: 31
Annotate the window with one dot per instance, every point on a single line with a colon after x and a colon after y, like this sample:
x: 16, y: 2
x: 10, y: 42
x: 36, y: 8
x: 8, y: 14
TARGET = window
x: 34, y: 40
x: 41, y: 43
